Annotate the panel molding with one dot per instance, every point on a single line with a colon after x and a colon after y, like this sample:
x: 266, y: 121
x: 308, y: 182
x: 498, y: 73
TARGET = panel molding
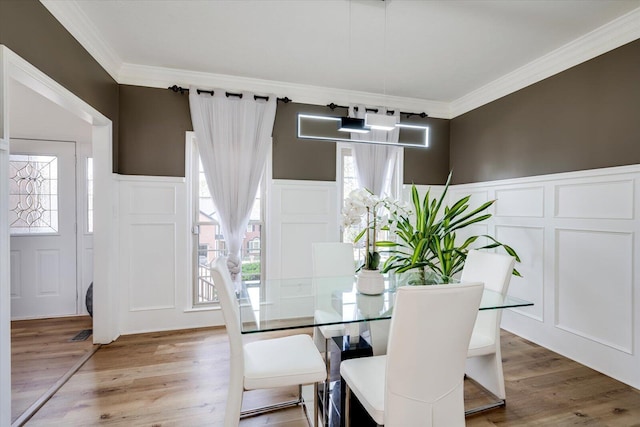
x: 593, y: 271
x: 602, y: 287
x: 519, y: 197
x: 537, y: 311
x: 154, y: 257
x: 148, y: 274
x: 45, y: 274
x: 15, y: 258
x: 283, y: 219
x: 613, y: 195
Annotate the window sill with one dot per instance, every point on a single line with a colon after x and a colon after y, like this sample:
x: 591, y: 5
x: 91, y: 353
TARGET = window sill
x: 200, y: 309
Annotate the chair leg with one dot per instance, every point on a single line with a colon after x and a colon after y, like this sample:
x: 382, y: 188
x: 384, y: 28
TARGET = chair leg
x: 315, y: 404
x: 276, y: 407
x: 486, y: 370
x: 327, y: 385
x: 347, y: 404
x: 234, y: 399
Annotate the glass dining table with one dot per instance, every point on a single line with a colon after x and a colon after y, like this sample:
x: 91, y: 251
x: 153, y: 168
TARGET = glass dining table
x: 284, y: 304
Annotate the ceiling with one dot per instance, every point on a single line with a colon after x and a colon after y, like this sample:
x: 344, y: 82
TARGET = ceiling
x: 401, y: 51
x: 32, y: 116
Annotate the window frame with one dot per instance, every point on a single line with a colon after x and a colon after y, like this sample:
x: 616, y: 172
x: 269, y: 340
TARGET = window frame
x: 344, y: 149
x: 192, y: 180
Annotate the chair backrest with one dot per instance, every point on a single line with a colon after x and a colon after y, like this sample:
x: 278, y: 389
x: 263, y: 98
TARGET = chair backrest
x: 333, y: 271
x: 332, y: 259
x: 230, y: 308
x: 428, y: 341
x: 495, y: 271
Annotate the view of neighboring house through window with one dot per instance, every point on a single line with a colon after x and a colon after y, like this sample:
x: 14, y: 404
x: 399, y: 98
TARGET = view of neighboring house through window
x: 210, y: 242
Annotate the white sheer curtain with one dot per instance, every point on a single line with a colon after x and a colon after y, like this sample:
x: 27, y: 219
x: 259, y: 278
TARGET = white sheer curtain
x: 374, y: 162
x: 233, y: 136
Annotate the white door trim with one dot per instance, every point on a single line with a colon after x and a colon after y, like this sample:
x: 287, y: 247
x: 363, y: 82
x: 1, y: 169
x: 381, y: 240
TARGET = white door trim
x: 105, y: 327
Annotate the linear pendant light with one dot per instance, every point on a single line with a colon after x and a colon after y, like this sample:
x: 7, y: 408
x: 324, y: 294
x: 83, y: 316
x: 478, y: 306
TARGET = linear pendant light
x: 349, y: 124
x: 380, y: 121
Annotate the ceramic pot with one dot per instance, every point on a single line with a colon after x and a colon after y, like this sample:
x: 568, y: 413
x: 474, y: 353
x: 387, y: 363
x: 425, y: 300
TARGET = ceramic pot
x: 370, y: 282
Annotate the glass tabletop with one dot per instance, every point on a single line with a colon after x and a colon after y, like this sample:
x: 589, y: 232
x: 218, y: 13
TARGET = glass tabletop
x: 321, y: 301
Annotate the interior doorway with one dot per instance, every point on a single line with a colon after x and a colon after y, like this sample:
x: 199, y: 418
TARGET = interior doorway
x: 50, y: 206
x: 13, y: 67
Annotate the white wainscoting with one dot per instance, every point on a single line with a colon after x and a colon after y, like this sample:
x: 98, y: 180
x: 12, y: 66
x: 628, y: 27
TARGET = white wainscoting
x: 575, y: 232
x: 155, y: 257
x: 577, y: 235
x: 300, y: 213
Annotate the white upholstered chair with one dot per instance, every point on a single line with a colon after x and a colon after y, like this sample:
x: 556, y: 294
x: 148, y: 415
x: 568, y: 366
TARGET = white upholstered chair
x: 333, y: 261
x: 485, y: 361
x: 419, y: 382
x: 269, y: 363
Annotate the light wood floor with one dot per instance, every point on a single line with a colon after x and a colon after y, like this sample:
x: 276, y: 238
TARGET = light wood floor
x: 180, y: 379
x: 41, y: 353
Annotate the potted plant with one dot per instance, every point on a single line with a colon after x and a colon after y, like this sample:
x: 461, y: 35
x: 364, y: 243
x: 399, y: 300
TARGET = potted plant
x: 429, y: 241
x: 373, y: 214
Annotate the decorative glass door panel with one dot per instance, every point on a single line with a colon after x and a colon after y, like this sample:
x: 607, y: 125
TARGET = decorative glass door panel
x: 33, y: 194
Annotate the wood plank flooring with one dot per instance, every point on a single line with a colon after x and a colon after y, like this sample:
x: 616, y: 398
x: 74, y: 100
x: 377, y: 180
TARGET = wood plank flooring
x: 180, y: 379
x: 41, y: 353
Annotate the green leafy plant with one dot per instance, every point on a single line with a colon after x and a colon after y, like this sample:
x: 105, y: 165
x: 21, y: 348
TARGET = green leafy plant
x: 430, y: 240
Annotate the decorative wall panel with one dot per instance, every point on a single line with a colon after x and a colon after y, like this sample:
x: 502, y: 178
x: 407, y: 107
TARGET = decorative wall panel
x: 48, y: 272
x: 529, y: 244
x: 301, y: 201
x: 577, y: 236
x: 599, y: 200
x: 302, y: 212
x: 151, y: 200
x: 16, y: 280
x: 296, y: 239
x: 594, y: 286
x: 520, y: 202
x: 152, y: 266
x: 156, y: 257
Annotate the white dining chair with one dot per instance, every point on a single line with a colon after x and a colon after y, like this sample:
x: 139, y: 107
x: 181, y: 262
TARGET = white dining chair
x: 419, y: 382
x: 269, y: 363
x: 484, y: 364
x: 333, y: 270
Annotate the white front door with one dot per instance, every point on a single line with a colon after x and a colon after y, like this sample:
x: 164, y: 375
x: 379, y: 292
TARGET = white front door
x: 42, y: 224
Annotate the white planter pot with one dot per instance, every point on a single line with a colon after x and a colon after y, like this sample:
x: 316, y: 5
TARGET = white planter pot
x: 370, y: 282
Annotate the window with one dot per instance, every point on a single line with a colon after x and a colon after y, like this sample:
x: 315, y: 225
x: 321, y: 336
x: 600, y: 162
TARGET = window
x: 33, y: 194
x: 348, y: 181
x: 209, y: 242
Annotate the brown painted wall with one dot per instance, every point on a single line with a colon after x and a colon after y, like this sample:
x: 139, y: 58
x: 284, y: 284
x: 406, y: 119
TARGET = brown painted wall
x: 28, y: 29
x: 428, y: 166
x: 152, y: 127
x: 584, y: 118
x: 302, y: 159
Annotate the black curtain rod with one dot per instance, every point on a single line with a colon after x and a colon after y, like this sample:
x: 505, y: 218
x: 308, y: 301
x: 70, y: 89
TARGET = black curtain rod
x: 375, y: 110
x: 182, y: 90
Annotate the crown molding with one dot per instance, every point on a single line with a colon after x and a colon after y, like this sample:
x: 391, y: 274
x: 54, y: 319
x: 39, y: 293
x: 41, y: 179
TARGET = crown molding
x: 142, y: 75
x: 71, y: 16
x: 614, y: 34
